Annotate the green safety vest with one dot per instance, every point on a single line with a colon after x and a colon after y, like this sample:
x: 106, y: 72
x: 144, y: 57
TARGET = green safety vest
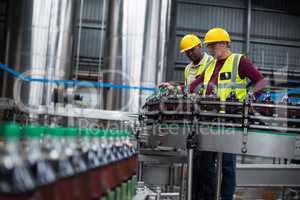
x: 207, y: 60
x: 228, y: 78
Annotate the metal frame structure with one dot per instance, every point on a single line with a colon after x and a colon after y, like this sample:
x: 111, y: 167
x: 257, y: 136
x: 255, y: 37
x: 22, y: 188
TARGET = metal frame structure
x: 248, y: 175
x: 244, y: 128
x: 144, y: 193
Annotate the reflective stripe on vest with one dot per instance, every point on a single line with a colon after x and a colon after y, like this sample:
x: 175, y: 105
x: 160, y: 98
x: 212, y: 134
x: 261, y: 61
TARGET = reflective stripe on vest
x: 229, y: 85
x: 225, y: 86
x: 208, y: 61
x: 200, y: 69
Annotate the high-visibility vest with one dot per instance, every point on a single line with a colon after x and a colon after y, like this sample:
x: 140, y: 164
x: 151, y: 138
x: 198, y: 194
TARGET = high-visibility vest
x: 187, y: 71
x: 228, y: 78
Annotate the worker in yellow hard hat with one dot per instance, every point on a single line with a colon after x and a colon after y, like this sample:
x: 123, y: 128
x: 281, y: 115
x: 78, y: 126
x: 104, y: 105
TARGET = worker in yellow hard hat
x: 227, y: 77
x: 191, y: 45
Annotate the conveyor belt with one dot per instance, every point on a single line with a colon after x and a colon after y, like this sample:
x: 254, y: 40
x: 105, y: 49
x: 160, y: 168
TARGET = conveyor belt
x: 229, y: 140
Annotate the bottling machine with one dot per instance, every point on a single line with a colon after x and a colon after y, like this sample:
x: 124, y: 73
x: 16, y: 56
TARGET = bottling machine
x: 190, y: 121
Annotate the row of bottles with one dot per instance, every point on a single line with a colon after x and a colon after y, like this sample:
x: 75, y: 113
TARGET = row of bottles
x: 57, y: 163
x: 125, y: 191
x: 173, y: 91
x: 178, y: 91
x: 170, y: 106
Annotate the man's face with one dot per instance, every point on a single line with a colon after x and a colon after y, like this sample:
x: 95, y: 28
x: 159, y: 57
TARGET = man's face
x: 216, y: 49
x: 194, y: 54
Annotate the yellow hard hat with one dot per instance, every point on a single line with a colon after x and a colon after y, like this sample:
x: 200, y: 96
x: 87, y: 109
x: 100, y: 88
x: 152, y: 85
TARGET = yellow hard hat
x: 189, y: 41
x: 216, y: 35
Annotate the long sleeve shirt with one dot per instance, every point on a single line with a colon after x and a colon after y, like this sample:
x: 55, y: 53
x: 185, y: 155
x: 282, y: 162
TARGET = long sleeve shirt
x: 245, y: 69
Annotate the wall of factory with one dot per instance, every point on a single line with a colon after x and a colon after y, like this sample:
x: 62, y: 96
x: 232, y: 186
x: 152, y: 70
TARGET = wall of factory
x: 90, y: 19
x: 3, y: 13
x: 275, y: 30
x: 2, y: 28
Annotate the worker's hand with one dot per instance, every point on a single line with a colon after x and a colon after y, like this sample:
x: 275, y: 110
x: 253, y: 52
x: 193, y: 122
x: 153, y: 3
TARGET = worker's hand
x: 167, y: 85
x: 172, y: 87
x: 164, y: 84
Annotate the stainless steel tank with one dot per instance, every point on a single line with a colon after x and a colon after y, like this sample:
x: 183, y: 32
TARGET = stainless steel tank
x: 40, y: 38
x: 137, y: 39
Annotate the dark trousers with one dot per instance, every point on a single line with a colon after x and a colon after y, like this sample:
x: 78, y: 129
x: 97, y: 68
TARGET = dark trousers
x: 229, y: 176
x: 204, y: 176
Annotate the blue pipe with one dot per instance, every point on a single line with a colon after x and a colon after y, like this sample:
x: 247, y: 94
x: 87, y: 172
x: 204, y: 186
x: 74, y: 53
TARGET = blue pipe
x: 276, y: 96
x: 74, y: 82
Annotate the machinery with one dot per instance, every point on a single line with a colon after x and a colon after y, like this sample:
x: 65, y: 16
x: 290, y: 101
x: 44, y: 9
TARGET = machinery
x: 66, y: 163
x: 57, y: 141
x: 243, y: 124
x: 183, y: 121
x: 62, y: 138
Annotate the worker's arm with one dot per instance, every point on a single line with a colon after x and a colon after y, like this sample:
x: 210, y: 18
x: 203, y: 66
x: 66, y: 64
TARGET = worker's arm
x: 172, y: 86
x: 195, y: 83
x: 248, y: 69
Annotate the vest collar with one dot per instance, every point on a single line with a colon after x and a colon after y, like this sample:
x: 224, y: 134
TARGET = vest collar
x: 226, y: 57
x: 202, y: 61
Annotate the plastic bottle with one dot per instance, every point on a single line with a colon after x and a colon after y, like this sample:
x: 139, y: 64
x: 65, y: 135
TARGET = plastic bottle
x: 164, y: 92
x: 212, y: 97
x: 232, y: 109
x: 108, y: 168
x: 124, y: 159
x: 132, y: 154
x: 285, y: 98
x: 232, y: 96
x: 16, y: 181
x: 200, y: 90
x: 41, y: 169
x: 89, y: 147
x: 250, y: 96
x: 58, y: 158
x: 113, y: 159
x: 117, y: 151
x: 284, y: 112
x: 81, y: 191
x: 267, y: 99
